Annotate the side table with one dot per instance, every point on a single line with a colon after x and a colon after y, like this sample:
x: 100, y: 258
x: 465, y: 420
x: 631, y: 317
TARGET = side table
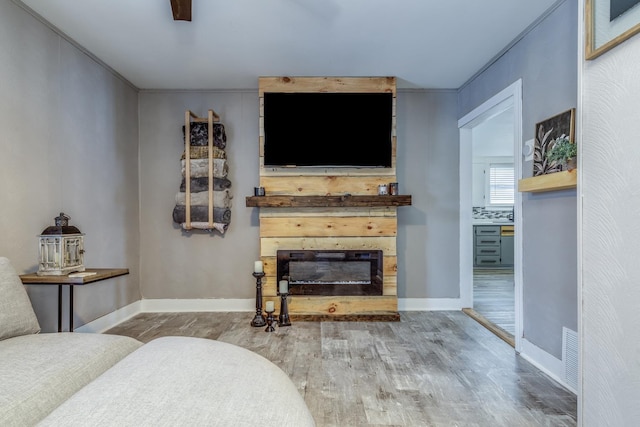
x: 71, y: 281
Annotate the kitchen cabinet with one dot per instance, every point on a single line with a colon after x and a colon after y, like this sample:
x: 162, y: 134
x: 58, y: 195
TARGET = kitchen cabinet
x: 506, y: 250
x: 492, y: 246
x: 486, y: 245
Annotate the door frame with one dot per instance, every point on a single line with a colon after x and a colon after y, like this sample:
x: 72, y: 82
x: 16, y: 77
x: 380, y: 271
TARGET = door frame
x: 511, y: 96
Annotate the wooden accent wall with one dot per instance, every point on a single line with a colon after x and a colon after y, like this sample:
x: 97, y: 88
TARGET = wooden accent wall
x: 328, y: 227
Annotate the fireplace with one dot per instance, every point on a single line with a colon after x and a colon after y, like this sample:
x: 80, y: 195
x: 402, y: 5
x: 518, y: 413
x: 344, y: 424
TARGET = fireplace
x: 331, y: 272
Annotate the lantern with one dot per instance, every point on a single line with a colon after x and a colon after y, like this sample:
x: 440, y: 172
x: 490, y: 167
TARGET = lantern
x: 61, y: 248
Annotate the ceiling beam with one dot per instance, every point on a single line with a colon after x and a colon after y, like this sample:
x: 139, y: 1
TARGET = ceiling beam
x: 181, y: 10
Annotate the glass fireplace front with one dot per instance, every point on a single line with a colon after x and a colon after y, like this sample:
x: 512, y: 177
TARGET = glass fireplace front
x: 331, y: 272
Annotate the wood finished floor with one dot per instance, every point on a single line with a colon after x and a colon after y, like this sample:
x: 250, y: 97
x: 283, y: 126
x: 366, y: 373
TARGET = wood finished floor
x: 493, y: 297
x: 428, y: 369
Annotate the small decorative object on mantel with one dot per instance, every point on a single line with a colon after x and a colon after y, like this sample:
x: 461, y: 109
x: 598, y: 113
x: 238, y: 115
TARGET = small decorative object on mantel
x: 61, y: 248
x: 547, y: 132
x: 393, y: 188
x: 258, y: 191
x: 204, y: 199
x: 382, y: 190
x: 258, y: 273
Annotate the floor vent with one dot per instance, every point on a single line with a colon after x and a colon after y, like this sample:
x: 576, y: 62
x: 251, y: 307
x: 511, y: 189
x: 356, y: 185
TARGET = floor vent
x: 570, y: 358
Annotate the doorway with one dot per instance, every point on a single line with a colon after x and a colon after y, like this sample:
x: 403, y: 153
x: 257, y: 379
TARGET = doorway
x: 490, y: 276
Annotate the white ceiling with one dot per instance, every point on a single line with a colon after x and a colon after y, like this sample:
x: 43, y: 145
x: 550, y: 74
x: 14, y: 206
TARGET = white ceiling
x: 434, y: 44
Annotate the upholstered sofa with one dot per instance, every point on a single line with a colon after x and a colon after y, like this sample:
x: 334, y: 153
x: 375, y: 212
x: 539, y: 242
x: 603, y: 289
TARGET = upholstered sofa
x: 76, y: 379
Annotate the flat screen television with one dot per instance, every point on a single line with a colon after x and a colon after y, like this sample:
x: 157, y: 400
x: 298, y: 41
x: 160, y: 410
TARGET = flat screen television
x: 328, y: 129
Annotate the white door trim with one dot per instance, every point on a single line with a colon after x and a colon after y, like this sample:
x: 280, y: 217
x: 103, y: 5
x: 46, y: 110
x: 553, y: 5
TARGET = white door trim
x: 510, y: 96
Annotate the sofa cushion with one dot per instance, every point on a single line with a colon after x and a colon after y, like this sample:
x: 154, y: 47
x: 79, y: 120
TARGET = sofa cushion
x: 39, y: 372
x: 16, y: 313
x: 186, y: 381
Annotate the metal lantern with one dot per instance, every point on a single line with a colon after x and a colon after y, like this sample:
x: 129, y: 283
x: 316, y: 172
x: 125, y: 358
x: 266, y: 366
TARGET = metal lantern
x: 61, y: 248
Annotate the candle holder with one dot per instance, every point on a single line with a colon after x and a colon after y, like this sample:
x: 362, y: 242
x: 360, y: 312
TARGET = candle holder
x: 283, y: 318
x: 258, y: 320
x: 270, y: 320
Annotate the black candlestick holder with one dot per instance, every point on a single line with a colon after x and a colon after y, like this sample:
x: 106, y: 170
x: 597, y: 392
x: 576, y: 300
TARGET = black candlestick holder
x: 270, y: 320
x: 258, y: 320
x: 283, y: 318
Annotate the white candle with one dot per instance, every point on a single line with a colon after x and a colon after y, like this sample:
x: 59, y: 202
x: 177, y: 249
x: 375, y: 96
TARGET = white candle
x: 283, y: 286
x: 257, y: 267
x: 269, y: 307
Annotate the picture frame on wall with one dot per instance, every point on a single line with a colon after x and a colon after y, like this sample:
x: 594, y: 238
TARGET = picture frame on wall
x: 547, y: 131
x: 608, y: 23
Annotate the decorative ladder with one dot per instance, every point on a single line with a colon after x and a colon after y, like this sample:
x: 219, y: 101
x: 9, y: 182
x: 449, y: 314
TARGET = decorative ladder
x: 211, y: 118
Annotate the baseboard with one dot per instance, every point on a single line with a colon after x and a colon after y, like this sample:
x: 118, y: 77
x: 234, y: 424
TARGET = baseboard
x: 110, y: 320
x: 221, y: 305
x: 544, y: 361
x: 187, y: 305
x: 429, y: 304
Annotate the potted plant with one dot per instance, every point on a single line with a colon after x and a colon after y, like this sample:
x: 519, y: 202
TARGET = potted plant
x: 563, y: 152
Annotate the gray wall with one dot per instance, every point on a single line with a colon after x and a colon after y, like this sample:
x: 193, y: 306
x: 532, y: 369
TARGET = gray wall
x: 68, y: 142
x: 193, y: 265
x: 427, y: 163
x: 546, y: 60
x: 196, y: 264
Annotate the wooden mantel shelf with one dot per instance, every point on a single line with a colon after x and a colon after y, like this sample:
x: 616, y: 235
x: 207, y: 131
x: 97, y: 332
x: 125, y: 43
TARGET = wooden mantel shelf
x: 327, y: 201
x: 551, y: 182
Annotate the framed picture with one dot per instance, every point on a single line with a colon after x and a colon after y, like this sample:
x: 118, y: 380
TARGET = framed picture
x: 546, y: 133
x: 608, y: 23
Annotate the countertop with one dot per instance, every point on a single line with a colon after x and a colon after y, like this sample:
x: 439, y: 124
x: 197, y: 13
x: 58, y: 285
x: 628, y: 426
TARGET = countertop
x: 477, y: 221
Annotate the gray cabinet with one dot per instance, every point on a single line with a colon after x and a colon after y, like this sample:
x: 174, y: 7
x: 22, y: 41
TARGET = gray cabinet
x: 490, y: 248
x: 506, y: 250
x: 486, y: 245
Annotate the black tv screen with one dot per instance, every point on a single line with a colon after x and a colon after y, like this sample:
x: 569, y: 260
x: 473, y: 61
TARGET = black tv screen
x: 328, y: 129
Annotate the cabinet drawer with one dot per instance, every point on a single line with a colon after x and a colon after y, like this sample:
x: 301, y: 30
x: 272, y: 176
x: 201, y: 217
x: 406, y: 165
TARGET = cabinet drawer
x: 487, y: 230
x: 488, y: 240
x: 487, y: 250
x: 488, y: 260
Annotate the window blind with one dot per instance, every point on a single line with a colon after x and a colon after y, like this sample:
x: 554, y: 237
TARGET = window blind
x: 501, y: 184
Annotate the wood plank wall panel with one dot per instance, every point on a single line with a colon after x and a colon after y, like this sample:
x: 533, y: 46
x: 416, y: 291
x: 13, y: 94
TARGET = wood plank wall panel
x: 270, y: 245
x: 326, y: 185
x: 326, y: 212
x: 289, y: 84
x: 342, y: 305
x: 328, y: 228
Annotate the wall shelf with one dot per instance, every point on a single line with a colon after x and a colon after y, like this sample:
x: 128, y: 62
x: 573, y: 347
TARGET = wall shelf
x: 551, y: 182
x: 327, y: 201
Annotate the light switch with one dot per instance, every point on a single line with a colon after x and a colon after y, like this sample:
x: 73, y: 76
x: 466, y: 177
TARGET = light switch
x: 527, y: 150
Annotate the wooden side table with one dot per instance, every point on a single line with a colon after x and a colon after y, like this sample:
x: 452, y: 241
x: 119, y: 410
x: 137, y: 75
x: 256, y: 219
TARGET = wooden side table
x: 100, y: 274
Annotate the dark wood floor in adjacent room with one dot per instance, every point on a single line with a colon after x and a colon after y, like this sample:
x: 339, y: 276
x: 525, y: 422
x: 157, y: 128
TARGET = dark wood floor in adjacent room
x: 428, y: 369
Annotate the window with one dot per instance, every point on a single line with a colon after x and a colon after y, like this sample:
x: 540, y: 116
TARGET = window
x: 501, y: 184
